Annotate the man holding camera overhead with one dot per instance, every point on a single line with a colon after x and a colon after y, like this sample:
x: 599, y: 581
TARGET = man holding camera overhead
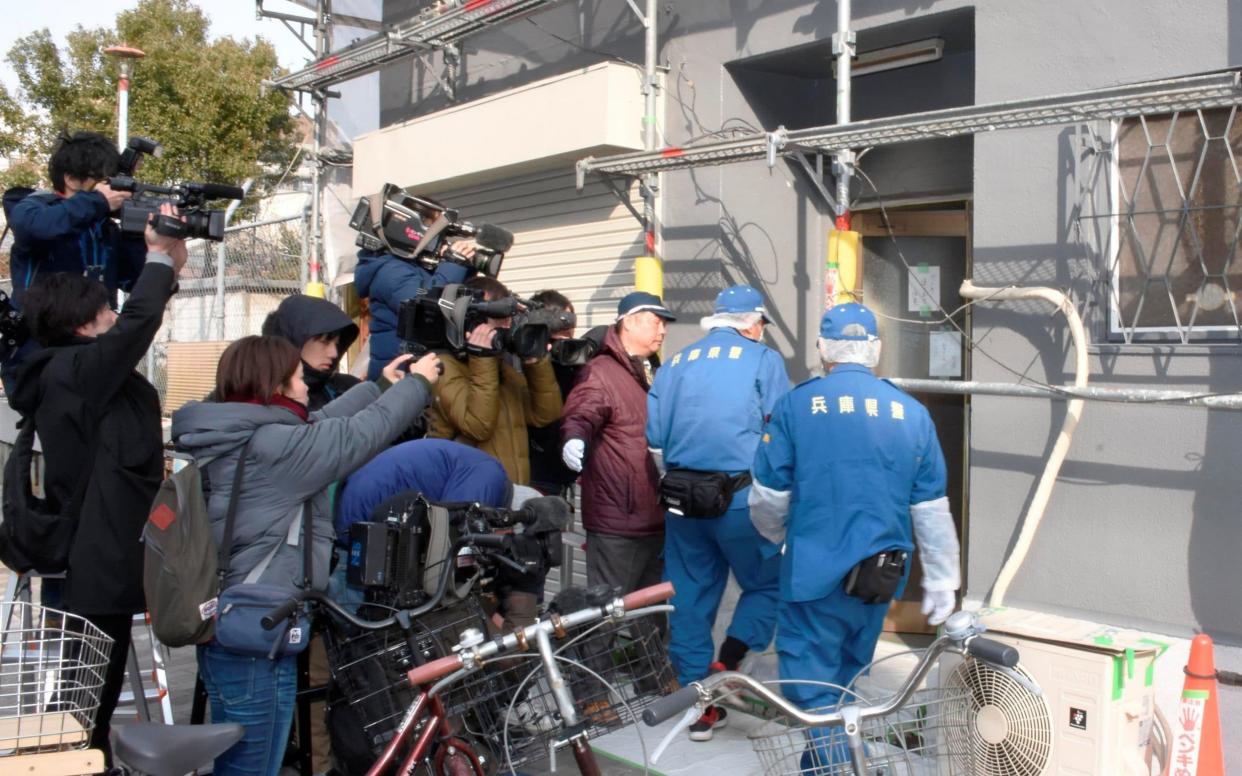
x: 68, y: 229
x: 485, y: 401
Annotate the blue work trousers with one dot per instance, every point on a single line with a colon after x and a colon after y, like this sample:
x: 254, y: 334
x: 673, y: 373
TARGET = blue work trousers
x: 256, y: 693
x: 830, y: 639
x: 698, y: 555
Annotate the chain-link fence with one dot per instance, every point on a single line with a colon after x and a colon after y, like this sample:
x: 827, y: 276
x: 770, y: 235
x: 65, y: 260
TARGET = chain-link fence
x: 226, y: 291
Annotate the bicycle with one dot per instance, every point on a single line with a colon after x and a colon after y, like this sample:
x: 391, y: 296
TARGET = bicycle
x: 574, y: 729
x: 371, y: 661
x: 52, y: 667
x: 857, y: 736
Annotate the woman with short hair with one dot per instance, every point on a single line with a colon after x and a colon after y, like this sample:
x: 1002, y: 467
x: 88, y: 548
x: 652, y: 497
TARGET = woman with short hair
x: 292, y: 456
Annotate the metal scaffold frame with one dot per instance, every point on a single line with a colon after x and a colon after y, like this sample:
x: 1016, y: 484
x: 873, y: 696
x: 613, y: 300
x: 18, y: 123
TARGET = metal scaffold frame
x: 431, y: 30
x: 437, y: 28
x: 1223, y: 89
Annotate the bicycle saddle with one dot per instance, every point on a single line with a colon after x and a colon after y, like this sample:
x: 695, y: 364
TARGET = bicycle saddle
x: 149, y: 747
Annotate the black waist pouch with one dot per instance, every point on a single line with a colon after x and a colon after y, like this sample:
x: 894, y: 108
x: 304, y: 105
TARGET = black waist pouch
x: 876, y: 579
x: 691, y: 493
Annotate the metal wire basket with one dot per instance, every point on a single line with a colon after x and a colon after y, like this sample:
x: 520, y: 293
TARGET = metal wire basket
x: 52, y: 667
x: 369, y: 669
x: 921, y: 739
x: 613, y: 670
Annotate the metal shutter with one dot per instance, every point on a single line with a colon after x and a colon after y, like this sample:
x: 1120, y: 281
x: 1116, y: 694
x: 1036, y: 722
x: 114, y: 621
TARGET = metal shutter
x: 581, y: 243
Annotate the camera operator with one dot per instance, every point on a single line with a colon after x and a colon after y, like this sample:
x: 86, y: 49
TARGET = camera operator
x: 99, y: 419
x: 387, y: 281
x: 485, y: 401
x: 548, y: 473
x: 68, y: 229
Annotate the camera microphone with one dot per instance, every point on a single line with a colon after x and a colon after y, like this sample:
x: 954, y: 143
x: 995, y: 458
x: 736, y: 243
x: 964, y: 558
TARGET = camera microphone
x: 494, y: 238
x: 545, y: 514
x: 217, y: 190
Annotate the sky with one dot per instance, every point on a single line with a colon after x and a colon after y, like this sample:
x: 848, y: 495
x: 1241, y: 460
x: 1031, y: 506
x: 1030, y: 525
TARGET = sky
x: 231, y: 18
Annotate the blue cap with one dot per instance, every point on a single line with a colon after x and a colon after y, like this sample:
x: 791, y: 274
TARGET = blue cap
x: 849, y: 321
x: 741, y: 299
x: 641, y: 301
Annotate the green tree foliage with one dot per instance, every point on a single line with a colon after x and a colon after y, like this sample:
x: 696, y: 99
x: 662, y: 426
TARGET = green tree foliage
x: 202, y: 99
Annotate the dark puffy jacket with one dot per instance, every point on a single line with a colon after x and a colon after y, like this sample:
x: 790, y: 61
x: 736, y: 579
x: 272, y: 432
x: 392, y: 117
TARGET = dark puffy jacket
x: 300, y: 317
x: 85, y: 386
x: 608, y: 410
x: 387, y: 281
x: 52, y: 233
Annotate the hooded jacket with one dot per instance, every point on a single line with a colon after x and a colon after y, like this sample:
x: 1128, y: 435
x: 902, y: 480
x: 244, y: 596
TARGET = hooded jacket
x: 87, y: 386
x: 298, y: 319
x: 387, y: 281
x: 484, y: 402
x: 290, y: 462
x: 607, y: 409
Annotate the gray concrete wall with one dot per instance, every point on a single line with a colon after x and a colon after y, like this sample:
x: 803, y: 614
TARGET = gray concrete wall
x: 1143, y: 527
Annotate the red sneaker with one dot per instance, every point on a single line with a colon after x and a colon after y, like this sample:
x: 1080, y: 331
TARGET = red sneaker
x: 715, y: 717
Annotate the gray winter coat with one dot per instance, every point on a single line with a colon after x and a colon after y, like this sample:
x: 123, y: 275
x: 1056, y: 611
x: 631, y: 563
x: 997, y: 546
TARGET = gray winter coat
x: 290, y: 461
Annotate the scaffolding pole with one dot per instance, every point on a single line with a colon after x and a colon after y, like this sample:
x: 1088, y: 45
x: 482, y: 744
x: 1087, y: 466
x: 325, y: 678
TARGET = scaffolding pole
x: 435, y: 28
x: 1215, y: 90
x: 1216, y: 401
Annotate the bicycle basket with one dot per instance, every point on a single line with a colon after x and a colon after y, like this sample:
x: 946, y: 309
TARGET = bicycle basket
x: 923, y: 737
x: 52, y: 667
x: 629, y: 657
x: 369, y: 670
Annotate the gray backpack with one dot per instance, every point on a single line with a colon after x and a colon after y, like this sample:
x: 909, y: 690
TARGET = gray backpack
x: 180, y: 575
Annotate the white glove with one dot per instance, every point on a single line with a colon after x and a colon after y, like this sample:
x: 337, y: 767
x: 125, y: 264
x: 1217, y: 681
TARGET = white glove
x: 938, y: 605
x: 572, y: 454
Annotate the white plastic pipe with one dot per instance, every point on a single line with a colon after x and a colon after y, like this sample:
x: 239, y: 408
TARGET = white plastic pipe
x: 1039, y: 504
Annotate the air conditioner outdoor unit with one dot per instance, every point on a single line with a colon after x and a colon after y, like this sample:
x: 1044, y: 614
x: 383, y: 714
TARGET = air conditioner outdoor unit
x: 1095, y: 715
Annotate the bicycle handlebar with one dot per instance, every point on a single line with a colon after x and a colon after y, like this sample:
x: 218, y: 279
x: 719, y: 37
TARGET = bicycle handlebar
x: 429, y: 672
x: 647, y: 596
x: 992, y: 651
x: 961, y: 633
x: 670, y: 705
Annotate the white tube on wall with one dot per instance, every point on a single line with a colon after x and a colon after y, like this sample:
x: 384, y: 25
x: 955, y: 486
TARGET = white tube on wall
x: 1043, y: 492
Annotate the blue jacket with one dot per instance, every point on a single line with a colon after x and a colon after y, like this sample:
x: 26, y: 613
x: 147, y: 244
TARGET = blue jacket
x: 387, y: 281
x: 441, y: 470
x: 851, y: 453
x: 708, y: 404
x: 52, y: 233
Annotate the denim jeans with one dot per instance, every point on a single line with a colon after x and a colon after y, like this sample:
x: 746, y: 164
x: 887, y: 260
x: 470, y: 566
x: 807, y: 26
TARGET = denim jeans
x: 256, y: 693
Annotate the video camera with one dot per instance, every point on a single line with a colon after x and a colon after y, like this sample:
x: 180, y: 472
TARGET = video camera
x: 438, y: 319
x: 417, y: 228
x: 196, y: 221
x: 399, y: 556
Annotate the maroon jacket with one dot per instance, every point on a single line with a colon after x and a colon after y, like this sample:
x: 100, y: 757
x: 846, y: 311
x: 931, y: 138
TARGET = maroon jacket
x: 607, y: 409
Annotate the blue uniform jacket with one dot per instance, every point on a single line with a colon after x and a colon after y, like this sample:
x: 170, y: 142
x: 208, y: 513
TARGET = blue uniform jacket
x: 708, y: 404
x: 441, y: 470
x: 387, y: 281
x: 52, y: 233
x: 853, y: 453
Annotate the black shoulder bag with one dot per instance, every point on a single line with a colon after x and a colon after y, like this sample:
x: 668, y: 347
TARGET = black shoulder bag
x: 33, y: 536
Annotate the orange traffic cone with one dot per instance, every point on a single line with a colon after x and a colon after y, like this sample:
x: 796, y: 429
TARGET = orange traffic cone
x: 1196, y: 746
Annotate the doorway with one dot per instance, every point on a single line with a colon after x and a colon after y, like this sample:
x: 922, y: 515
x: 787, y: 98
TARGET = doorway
x: 915, y: 260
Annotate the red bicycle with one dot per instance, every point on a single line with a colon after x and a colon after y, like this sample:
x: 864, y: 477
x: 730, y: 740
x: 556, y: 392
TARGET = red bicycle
x: 574, y: 725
